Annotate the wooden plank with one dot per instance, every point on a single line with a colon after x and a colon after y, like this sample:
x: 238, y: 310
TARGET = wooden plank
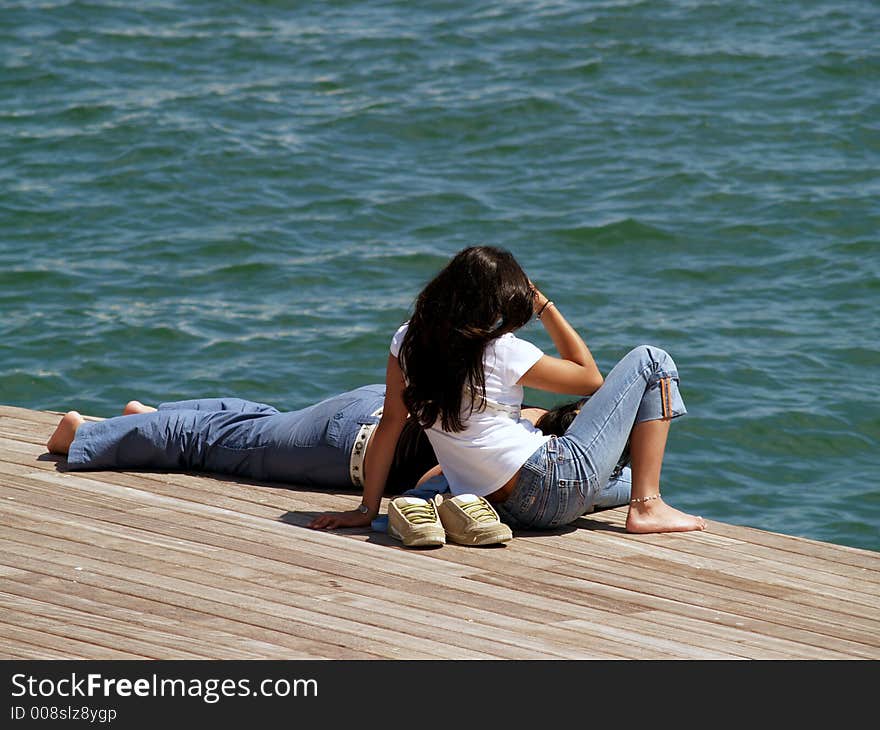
x: 331, y: 612
x: 804, y: 571
x: 231, y: 628
x: 317, y: 615
x: 655, y: 579
x: 869, y: 604
x: 822, y: 567
x: 72, y: 647
x: 153, y: 547
x: 150, y: 640
x: 676, y: 600
x: 746, y: 538
x: 207, y: 566
x: 217, y: 603
x: 20, y: 650
x: 754, y: 577
x: 728, y: 612
x: 105, y: 631
x: 238, y: 529
x: 566, y: 636
x: 274, y: 574
x: 220, y: 534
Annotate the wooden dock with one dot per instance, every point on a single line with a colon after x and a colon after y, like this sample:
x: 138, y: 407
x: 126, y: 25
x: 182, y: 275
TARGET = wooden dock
x: 133, y: 565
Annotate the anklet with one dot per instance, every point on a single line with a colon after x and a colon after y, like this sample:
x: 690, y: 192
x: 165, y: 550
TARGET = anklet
x: 645, y: 499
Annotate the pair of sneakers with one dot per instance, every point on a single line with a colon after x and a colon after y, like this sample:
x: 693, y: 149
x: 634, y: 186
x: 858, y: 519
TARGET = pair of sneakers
x: 466, y: 519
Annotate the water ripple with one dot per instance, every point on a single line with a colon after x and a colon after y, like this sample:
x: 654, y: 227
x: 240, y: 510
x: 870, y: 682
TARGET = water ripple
x: 245, y: 198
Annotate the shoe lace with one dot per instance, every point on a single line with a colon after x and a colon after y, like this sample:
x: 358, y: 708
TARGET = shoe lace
x: 480, y: 511
x: 419, y: 514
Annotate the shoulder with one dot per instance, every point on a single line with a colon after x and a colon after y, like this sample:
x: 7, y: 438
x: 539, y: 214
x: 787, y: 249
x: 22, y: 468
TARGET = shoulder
x: 397, y: 340
x: 513, y: 356
x: 511, y: 344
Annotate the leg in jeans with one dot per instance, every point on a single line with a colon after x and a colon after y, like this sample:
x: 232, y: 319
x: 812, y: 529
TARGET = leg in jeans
x: 636, y: 403
x: 170, y: 439
x: 310, y: 447
x: 616, y: 492
x: 135, y: 407
x: 237, y: 405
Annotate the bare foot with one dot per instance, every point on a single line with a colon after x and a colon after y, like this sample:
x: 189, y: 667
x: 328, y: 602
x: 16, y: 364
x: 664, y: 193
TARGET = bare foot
x: 59, y: 442
x: 657, y: 516
x: 135, y: 406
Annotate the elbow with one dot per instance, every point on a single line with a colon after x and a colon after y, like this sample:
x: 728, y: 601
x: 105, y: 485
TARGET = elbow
x: 594, y: 384
x: 591, y: 377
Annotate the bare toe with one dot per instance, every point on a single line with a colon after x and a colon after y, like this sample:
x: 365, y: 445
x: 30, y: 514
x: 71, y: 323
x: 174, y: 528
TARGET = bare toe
x: 657, y: 516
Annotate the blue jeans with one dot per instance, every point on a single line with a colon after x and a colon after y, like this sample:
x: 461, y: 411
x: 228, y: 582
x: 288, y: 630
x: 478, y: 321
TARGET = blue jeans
x: 578, y: 472
x: 309, y: 447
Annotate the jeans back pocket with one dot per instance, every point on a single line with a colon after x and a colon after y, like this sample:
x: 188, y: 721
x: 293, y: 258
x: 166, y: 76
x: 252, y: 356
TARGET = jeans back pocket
x: 245, y: 462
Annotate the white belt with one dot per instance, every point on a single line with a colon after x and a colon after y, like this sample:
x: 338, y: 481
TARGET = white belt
x: 359, y: 451
x: 512, y: 411
x: 493, y: 405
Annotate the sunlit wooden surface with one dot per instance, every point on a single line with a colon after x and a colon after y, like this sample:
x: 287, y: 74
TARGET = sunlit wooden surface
x: 127, y: 565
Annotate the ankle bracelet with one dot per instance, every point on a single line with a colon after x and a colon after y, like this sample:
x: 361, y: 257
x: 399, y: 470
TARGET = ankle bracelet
x: 645, y: 499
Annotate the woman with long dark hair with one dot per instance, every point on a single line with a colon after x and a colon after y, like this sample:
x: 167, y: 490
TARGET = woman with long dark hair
x: 458, y: 368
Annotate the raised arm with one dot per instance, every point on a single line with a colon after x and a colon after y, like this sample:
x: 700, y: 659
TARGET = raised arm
x: 575, y: 371
x: 380, y: 455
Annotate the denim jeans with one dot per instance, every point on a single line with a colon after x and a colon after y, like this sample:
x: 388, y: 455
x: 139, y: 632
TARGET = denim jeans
x: 578, y: 472
x: 309, y: 447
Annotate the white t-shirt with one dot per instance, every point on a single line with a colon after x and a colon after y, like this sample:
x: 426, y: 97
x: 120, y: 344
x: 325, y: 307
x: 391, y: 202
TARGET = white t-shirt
x: 495, y: 442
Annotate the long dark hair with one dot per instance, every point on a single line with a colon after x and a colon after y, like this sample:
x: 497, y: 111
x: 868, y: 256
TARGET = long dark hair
x: 481, y: 294
x: 413, y: 456
x: 557, y: 419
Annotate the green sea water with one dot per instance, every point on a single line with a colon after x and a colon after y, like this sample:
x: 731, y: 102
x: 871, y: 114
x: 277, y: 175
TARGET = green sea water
x: 243, y: 198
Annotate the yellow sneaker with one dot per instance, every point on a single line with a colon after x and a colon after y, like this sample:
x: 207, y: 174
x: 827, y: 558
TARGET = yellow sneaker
x: 415, y: 522
x: 471, y: 520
